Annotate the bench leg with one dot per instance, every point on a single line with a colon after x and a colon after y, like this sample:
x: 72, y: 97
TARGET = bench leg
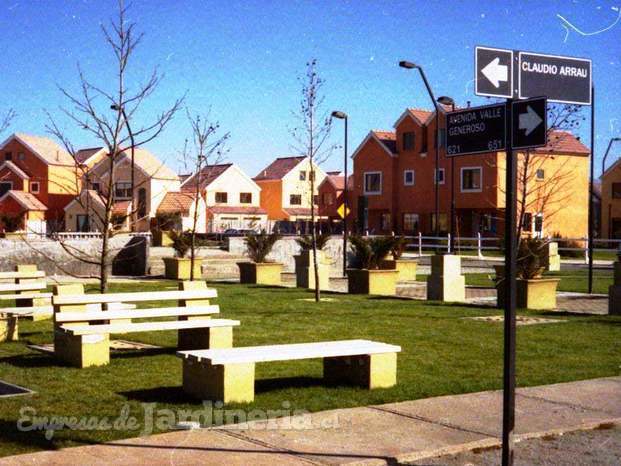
x: 369, y: 371
x: 230, y: 383
x: 9, y: 328
x: 82, y: 350
x: 204, y: 338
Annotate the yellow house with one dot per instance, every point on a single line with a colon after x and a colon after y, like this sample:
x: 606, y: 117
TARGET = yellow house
x: 611, y: 202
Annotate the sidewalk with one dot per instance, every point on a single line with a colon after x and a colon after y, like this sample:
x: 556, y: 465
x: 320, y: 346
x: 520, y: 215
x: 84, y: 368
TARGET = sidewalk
x: 385, y: 434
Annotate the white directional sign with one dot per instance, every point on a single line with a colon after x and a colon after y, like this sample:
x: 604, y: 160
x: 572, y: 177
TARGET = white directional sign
x: 494, y: 72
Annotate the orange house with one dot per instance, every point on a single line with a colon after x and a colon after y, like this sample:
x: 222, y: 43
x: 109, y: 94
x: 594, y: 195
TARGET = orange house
x: 395, y: 180
x: 40, y: 167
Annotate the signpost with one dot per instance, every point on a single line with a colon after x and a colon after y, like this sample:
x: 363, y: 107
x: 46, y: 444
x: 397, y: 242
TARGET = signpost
x: 520, y: 75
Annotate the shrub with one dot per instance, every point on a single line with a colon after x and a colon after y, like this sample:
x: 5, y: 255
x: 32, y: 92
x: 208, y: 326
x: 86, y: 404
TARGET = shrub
x: 370, y: 252
x: 181, y: 242
x: 398, y: 247
x: 260, y: 245
x: 531, y: 258
x: 568, y: 243
x: 306, y: 241
x: 168, y: 221
x: 11, y: 223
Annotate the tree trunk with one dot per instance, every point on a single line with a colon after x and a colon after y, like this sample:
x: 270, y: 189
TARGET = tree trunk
x: 314, y: 233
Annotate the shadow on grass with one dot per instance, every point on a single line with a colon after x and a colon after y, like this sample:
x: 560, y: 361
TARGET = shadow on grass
x: 172, y: 395
x: 137, y: 353
x: 268, y: 385
x: 10, y: 433
x: 30, y: 361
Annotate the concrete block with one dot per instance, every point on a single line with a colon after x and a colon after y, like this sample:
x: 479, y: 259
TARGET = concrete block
x: 305, y: 271
x: 8, y: 328
x: 230, y: 383
x: 266, y: 273
x: 368, y: 371
x: 82, y: 350
x: 446, y: 282
x: 373, y: 282
x: 614, y: 300
x: 447, y: 265
x: 205, y: 338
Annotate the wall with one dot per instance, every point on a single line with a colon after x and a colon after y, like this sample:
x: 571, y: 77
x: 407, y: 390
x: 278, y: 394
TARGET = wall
x: 293, y: 185
x: 50, y: 256
x: 233, y: 182
x: 287, y: 247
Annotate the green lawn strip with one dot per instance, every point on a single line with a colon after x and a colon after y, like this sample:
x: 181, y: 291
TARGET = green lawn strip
x: 442, y: 354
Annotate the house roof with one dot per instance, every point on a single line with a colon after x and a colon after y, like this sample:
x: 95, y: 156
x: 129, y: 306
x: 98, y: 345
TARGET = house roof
x: 388, y: 138
x: 338, y: 181
x: 83, y: 155
x: 174, y: 202
x: 15, y: 169
x: 564, y: 142
x: 279, y: 168
x: 298, y: 211
x: 27, y: 200
x: 207, y: 176
x: 147, y: 162
x: 223, y: 209
x: 92, y: 194
x: 121, y: 207
x: 45, y: 148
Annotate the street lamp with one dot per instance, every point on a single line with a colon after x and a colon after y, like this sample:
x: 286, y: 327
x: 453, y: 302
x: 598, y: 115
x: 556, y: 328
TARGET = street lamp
x: 409, y: 65
x: 343, y: 116
x: 116, y: 108
x: 445, y: 100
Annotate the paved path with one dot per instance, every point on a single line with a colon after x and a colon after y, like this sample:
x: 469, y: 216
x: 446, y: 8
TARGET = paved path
x: 385, y: 434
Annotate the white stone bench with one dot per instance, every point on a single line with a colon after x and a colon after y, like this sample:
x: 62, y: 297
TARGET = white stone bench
x: 82, y: 336
x: 227, y: 374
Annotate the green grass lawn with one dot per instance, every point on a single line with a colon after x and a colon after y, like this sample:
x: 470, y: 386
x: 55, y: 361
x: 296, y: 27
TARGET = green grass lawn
x: 442, y: 354
x: 571, y: 280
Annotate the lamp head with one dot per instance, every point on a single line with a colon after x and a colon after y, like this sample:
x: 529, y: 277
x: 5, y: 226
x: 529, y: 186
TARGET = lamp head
x: 340, y: 115
x: 407, y: 64
x: 445, y: 100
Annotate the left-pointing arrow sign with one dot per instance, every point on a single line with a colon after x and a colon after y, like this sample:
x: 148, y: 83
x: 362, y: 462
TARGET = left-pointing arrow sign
x: 529, y: 120
x: 495, y: 72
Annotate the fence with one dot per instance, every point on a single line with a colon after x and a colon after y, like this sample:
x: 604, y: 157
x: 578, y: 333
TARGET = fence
x: 77, y: 235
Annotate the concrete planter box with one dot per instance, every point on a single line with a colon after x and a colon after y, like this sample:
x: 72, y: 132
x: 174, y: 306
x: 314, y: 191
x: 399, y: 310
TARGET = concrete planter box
x: 177, y: 268
x: 406, y: 269
x: 305, y: 270
x: 14, y: 235
x: 264, y: 273
x: 161, y: 238
x: 536, y: 293
x: 8, y: 328
x: 375, y: 282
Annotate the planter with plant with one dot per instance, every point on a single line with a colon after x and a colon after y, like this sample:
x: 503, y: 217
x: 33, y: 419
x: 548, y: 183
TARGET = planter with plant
x: 366, y: 276
x: 406, y: 269
x: 304, y: 269
x: 260, y: 271
x: 165, y: 224
x: 180, y: 267
x: 533, y: 291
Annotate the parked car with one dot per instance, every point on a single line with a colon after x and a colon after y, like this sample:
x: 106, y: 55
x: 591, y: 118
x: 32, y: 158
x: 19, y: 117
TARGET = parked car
x: 229, y: 232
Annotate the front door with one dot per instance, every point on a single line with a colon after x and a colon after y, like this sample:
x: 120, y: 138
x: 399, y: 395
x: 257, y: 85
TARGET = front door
x: 82, y: 223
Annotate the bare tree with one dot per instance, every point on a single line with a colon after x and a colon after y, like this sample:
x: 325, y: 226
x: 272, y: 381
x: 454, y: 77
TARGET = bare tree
x: 311, y: 139
x: 5, y: 120
x: 106, y: 113
x: 208, y: 150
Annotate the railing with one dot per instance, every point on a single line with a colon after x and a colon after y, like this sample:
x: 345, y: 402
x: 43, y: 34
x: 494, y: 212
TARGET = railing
x: 80, y: 235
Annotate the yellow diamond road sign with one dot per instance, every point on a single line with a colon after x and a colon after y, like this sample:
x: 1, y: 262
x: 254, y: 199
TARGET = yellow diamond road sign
x: 341, y: 211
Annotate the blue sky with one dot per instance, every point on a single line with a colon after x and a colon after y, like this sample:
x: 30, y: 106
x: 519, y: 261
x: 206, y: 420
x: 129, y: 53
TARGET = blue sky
x: 242, y: 60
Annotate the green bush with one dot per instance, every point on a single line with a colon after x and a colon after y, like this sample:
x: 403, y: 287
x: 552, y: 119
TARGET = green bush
x: 369, y: 252
x: 260, y: 245
x: 306, y: 241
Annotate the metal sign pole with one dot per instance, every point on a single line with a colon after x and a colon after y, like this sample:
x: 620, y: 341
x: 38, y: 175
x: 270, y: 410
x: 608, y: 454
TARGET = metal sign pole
x: 591, y: 207
x: 508, y: 406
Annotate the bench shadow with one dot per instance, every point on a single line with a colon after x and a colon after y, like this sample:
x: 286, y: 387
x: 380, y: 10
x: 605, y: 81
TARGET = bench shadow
x: 29, y: 361
x: 141, y: 352
x: 35, y: 438
x: 268, y: 385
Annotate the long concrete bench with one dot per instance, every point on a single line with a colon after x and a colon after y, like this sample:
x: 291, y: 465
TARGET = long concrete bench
x: 228, y: 374
x: 82, y: 336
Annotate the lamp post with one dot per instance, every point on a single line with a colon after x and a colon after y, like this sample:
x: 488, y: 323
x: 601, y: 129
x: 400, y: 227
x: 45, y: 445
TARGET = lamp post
x: 116, y: 108
x: 343, y: 116
x: 445, y: 100
x: 409, y: 65
x: 606, y: 156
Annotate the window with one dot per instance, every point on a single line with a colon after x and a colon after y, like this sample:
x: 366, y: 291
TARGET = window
x: 527, y: 221
x: 245, y: 198
x: 540, y: 174
x: 5, y: 186
x: 82, y: 223
x: 328, y: 198
x: 222, y: 198
x: 439, y: 176
x: 471, y: 179
x: 8, y: 156
x: 539, y: 225
x: 487, y: 223
x: 423, y: 149
x: 123, y: 190
x: 410, y: 223
x: 295, y: 199
x: 142, y: 203
x: 616, y: 190
x: 385, y: 222
x: 95, y: 187
x: 34, y: 187
x: 373, y: 183
x: 302, y: 175
x: 21, y: 156
x: 408, y: 177
x: 409, y: 140
x: 316, y: 199
x: 443, y: 226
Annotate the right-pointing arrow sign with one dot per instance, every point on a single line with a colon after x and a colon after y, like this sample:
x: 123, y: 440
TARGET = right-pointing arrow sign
x: 529, y: 123
x: 495, y: 72
x: 529, y: 120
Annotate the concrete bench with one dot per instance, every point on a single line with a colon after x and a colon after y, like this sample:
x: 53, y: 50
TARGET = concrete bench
x: 227, y: 374
x: 82, y: 335
x: 27, y: 274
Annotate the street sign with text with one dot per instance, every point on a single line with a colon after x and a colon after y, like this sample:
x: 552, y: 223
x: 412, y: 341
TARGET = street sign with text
x: 529, y: 123
x: 561, y: 79
x: 476, y: 130
x: 494, y: 72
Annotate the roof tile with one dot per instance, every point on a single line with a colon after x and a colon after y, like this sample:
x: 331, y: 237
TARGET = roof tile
x: 279, y: 168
